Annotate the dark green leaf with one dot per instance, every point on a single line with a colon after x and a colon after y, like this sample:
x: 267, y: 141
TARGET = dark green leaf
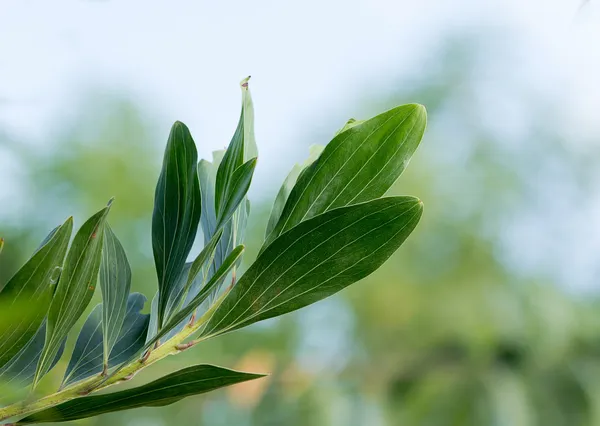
x: 25, y: 299
x: 75, y: 287
x: 177, y: 208
x: 288, y: 184
x: 19, y: 371
x: 241, y: 148
x: 359, y: 164
x: 166, y: 390
x: 240, y: 183
x: 316, y: 259
x: 115, y: 282
x: 87, y: 358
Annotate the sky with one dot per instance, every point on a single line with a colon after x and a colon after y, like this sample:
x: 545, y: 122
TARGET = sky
x: 182, y: 60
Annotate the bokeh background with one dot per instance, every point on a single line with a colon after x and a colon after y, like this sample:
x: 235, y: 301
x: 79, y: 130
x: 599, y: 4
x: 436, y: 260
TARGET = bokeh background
x: 487, y: 315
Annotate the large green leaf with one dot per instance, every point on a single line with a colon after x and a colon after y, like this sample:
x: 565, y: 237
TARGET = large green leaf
x: 164, y: 391
x: 288, y: 184
x: 25, y: 299
x: 316, y: 259
x: 177, y: 208
x: 115, y: 282
x: 75, y: 287
x: 359, y: 164
x: 87, y: 358
x: 240, y: 183
x: 19, y: 371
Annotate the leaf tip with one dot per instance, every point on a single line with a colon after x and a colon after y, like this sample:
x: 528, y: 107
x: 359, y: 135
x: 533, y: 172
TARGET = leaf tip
x: 244, y: 83
x: 110, y: 202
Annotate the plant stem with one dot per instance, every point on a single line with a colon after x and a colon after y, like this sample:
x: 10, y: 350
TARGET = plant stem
x: 96, y: 383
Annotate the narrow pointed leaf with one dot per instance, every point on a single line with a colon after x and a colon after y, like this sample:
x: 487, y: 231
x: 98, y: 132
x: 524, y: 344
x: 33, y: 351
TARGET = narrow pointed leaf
x: 19, y: 371
x: 240, y: 183
x: 190, y: 272
x: 177, y: 322
x: 316, y: 259
x: 359, y: 164
x: 215, y: 281
x: 75, y: 287
x: 25, y: 299
x: 87, y: 359
x: 241, y: 148
x: 288, y: 184
x: 177, y: 208
x: 115, y: 282
x: 164, y: 391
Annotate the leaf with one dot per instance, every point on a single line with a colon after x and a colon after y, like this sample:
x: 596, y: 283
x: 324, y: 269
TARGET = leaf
x: 316, y: 259
x: 26, y: 297
x: 288, y: 184
x: 215, y: 281
x: 164, y: 391
x: 183, y: 315
x: 177, y: 208
x: 19, y: 371
x: 358, y: 165
x: 1, y: 244
x: 241, y: 148
x: 75, y: 287
x: 189, y: 273
x: 349, y: 124
x: 115, y: 282
x: 87, y: 358
x: 240, y: 183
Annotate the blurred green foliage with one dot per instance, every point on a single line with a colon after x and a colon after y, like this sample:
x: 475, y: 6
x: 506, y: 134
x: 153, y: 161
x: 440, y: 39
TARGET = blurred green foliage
x: 451, y: 331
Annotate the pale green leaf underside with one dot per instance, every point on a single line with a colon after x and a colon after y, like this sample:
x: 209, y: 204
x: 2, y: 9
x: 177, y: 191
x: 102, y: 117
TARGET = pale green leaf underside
x: 177, y: 208
x: 87, y: 360
x: 115, y: 282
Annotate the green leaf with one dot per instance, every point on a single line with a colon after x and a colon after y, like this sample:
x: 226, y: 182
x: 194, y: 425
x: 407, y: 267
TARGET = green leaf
x: 241, y: 148
x: 358, y: 165
x: 20, y: 370
x: 177, y: 208
x: 349, y: 124
x: 164, y: 391
x: 87, y: 358
x: 115, y: 282
x: 25, y: 299
x: 189, y: 273
x: 288, y: 184
x: 215, y: 281
x: 316, y: 259
x: 240, y: 183
x: 75, y: 287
